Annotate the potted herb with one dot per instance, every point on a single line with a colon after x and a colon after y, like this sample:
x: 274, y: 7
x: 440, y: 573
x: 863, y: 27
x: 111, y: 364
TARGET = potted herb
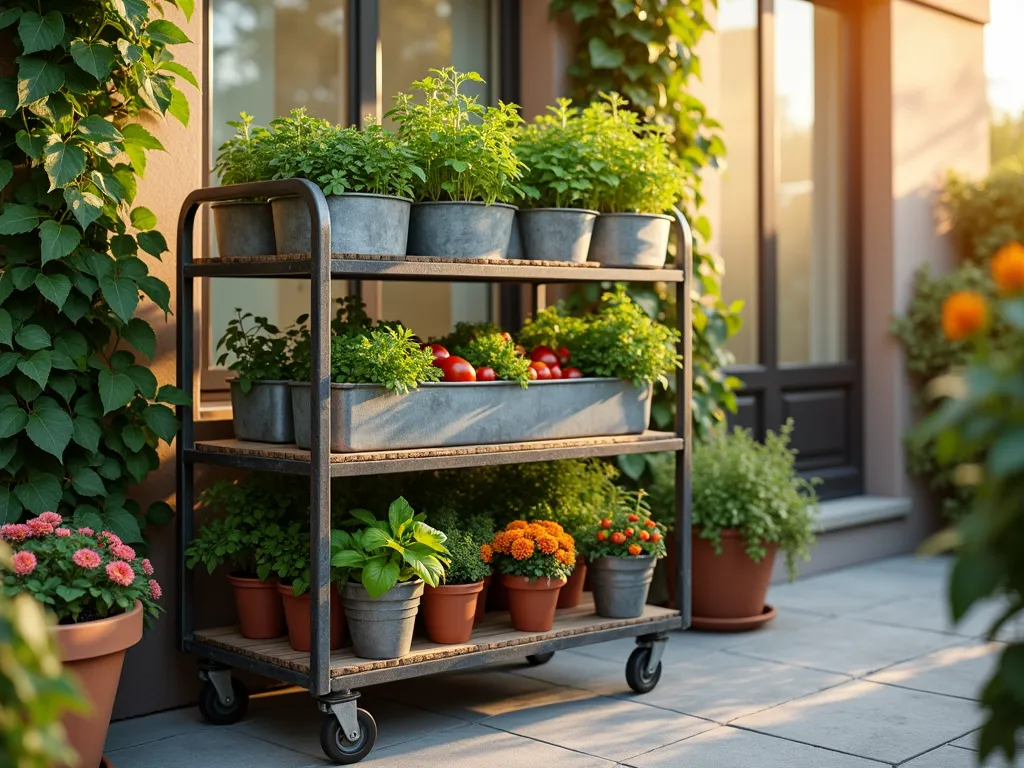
x: 244, y: 227
x: 389, y: 561
x: 622, y: 550
x: 100, y: 591
x: 632, y: 230
x: 495, y: 358
x: 564, y: 179
x: 748, y: 502
x: 367, y: 176
x: 466, y: 151
x: 534, y: 559
x: 261, y: 407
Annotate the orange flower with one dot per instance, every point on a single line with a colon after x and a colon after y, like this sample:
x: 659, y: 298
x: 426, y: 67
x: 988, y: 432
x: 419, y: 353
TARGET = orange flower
x: 551, y: 527
x: 565, y: 541
x: 565, y: 557
x: 522, y: 549
x: 1008, y: 268
x: 547, y: 544
x: 486, y: 553
x: 635, y: 549
x: 502, y: 542
x: 516, y: 524
x: 964, y: 314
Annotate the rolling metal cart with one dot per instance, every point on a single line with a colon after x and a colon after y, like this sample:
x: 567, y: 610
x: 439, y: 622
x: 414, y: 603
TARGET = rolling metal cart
x: 348, y: 732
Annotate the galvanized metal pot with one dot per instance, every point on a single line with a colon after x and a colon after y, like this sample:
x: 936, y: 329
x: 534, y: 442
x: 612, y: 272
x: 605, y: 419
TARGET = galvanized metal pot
x: 631, y: 240
x: 515, y: 241
x: 621, y: 585
x: 244, y: 228
x: 360, y: 223
x: 381, y: 628
x: 264, y: 413
x: 556, y: 234
x: 461, y: 230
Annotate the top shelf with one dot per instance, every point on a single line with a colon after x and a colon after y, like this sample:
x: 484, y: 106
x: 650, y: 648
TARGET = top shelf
x: 428, y: 268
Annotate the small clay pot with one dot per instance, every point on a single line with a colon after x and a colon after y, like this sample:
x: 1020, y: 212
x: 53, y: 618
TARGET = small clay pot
x: 572, y: 592
x: 260, y: 615
x: 449, y: 611
x: 481, y: 601
x: 730, y: 585
x: 532, y: 603
x: 296, y: 614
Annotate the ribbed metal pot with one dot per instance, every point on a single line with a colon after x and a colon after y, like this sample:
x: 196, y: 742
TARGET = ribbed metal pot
x: 360, y: 223
x: 631, y: 240
x: 556, y: 234
x: 461, y: 230
x: 621, y: 585
x: 381, y: 628
x: 264, y: 413
x: 515, y: 241
x: 244, y: 228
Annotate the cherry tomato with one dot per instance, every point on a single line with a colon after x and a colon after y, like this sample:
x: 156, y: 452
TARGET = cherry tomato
x: 531, y: 373
x: 618, y: 537
x: 632, y: 518
x: 520, y: 350
x: 629, y: 531
x: 606, y: 523
x: 655, y: 536
x: 486, y: 374
x: 645, y: 536
x: 544, y: 355
x: 635, y: 550
x: 563, y: 355
x: 556, y: 371
x: 543, y: 372
x: 572, y: 373
x: 440, y: 353
x: 457, y: 369
x: 602, y: 535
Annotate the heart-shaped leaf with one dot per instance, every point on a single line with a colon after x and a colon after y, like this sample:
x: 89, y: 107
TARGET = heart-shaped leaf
x: 63, y: 163
x: 84, y: 205
x: 17, y: 219
x: 12, y: 420
x: 58, y: 240
x: 40, y: 33
x: 87, y: 433
x: 54, y: 288
x: 87, y: 482
x: 121, y: 295
x: 116, y: 389
x: 39, y: 492
x: 37, y: 367
x: 32, y: 337
x: 95, y: 58
x: 50, y: 427
x: 37, y: 78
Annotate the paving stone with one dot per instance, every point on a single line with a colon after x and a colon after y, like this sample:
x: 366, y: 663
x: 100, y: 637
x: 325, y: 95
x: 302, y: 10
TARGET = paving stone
x: 846, y: 646
x: 932, y: 612
x: 842, y: 592
x: 604, y: 727
x: 163, y: 725
x: 869, y: 720
x: 591, y: 673
x: 970, y: 741
x: 954, y: 757
x: 727, y: 747
x: 213, y: 747
x: 960, y: 670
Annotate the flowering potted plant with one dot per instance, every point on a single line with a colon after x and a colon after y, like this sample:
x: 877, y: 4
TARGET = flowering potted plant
x: 621, y: 550
x: 99, y: 591
x: 535, y: 560
x: 450, y: 609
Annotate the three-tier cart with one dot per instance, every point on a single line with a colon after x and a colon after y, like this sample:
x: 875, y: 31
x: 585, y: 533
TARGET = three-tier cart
x: 348, y: 732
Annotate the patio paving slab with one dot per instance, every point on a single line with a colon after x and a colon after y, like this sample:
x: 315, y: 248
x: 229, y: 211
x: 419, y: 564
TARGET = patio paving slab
x: 953, y: 757
x: 210, y: 747
x: 871, y: 720
x: 163, y: 725
x: 842, y: 592
x: 960, y: 670
x: 932, y: 612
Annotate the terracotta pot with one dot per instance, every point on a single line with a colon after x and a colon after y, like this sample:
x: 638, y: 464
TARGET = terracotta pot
x: 572, y: 592
x: 449, y: 611
x: 296, y: 615
x: 93, y: 652
x: 481, y: 601
x: 258, y: 604
x: 532, y: 603
x: 730, y: 585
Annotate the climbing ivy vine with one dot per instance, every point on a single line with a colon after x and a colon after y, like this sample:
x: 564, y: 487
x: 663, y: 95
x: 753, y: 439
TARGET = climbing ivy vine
x: 81, y: 415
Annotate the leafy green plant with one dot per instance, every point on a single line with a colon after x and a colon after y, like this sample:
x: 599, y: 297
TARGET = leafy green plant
x: 496, y: 351
x: 387, y: 552
x: 296, y: 146
x: 985, y: 215
x: 282, y: 550
x: 466, y: 150
x: 628, y: 530
x: 80, y: 418
x: 385, y: 356
x: 465, y: 332
x: 464, y: 540
x: 243, y: 158
x: 258, y: 352
x: 739, y: 483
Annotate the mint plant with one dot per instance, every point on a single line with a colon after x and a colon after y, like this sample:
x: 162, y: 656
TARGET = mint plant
x: 259, y: 351
x: 385, y: 356
x: 243, y: 158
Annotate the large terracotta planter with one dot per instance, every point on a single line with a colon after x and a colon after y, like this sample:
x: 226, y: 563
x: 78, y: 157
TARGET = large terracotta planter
x: 93, y: 652
x: 572, y: 592
x: 532, y: 603
x: 296, y: 615
x: 730, y: 585
x: 258, y: 604
x: 481, y: 601
x: 449, y: 611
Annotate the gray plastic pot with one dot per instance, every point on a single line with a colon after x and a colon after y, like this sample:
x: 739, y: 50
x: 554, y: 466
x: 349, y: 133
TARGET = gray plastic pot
x: 556, y: 234
x: 381, y: 628
x: 620, y: 585
x: 631, y: 240
x: 264, y: 413
x: 244, y: 228
x: 360, y: 223
x: 461, y: 230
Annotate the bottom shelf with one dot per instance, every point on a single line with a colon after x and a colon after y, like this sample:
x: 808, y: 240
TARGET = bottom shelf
x: 493, y: 640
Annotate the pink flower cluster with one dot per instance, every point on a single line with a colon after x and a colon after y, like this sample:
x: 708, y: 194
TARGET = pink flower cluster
x: 15, y: 532
x: 123, y: 552
x: 24, y: 563
x: 155, y: 591
x: 120, y: 573
x: 86, y: 558
x: 40, y: 526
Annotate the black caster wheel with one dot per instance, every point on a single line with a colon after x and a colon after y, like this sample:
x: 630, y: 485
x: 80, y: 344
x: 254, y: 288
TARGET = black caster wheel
x: 217, y: 713
x: 639, y: 679
x: 539, y: 658
x: 336, y: 745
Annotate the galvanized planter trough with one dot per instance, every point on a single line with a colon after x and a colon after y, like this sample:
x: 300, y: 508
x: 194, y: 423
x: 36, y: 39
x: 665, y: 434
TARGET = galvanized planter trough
x: 367, y: 417
x: 264, y: 413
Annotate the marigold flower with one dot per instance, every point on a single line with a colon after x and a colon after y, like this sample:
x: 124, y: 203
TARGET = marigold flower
x: 62, y: 532
x: 517, y: 525
x: 155, y: 590
x: 551, y: 527
x: 147, y: 567
x: 565, y: 541
x: 86, y: 558
x: 1007, y: 268
x: 123, y: 552
x: 486, y: 554
x: 52, y: 518
x: 635, y: 550
x: 502, y: 542
x: 24, y: 563
x: 565, y: 557
x: 120, y: 573
x: 15, y: 532
x: 39, y: 527
x: 514, y: 534
x: 964, y: 314
x: 110, y: 538
x: 86, y: 531
x: 547, y: 544
x: 650, y: 524
x: 522, y: 549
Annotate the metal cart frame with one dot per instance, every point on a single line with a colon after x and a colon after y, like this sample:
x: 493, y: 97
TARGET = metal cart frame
x: 224, y: 700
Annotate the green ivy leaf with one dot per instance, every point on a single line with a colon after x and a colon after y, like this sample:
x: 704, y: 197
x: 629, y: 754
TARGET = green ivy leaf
x: 75, y: 308
x: 12, y: 420
x: 179, y: 108
x: 121, y: 295
x: 95, y: 58
x: 96, y: 129
x: 55, y: 288
x: 138, y: 333
x: 8, y: 362
x: 87, y: 482
x: 124, y: 524
x: 10, y: 507
x: 72, y: 343
x: 122, y: 245
x: 109, y: 469
x: 108, y: 185
x: 24, y: 277
x: 37, y: 367
x: 135, y: 12
x: 152, y: 242
x: 156, y: 93
x: 32, y: 337
x: 159, y: 513
x: 58, y: 240
x: 129, y: 52
x: 603, y: 56
x: 64, y: 385
x: 89, y: 404
x: 143, y: 379
x: 37, y: 78
x: 163, y: 31
x: 84, y: 205
x: 32, y: 144
x: 17, y: 219
x: 87, y: 433
x: 173, y: 396
x: 6, y: 328
x: 133, y: 437
x: 9, y: 16
x: 162, y: 421
x: 116, y: 390
x: 158, y: 291
x: 40, y: 33
x: 143, y: 218
x: 180, y: 70
x: 6, y: 173
x: 63, y: 163
x: 7, y: 451
x: 134, y: 133
x: 50, y: 427
x: 39, y: 492
x: 137, y: 465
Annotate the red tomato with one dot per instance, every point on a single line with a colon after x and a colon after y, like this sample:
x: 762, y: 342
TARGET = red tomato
x: 632, y: 518
x: 618, y: 537
x: 486, y: 374
x: 556, y: 371
x: 563, y: 355
x: 602, y: 535
x: 655, y: 536
x: 506, y: 336
x: 606, y: 523
x: 544, y: 355
x: 542, y: 371
x: 440, y: 353
x: 457, y: 369
x: 572, y: 373
x: 520, y: 351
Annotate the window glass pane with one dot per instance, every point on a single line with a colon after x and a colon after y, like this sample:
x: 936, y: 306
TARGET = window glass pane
x: 738, y: 232
x: 810, y: 201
